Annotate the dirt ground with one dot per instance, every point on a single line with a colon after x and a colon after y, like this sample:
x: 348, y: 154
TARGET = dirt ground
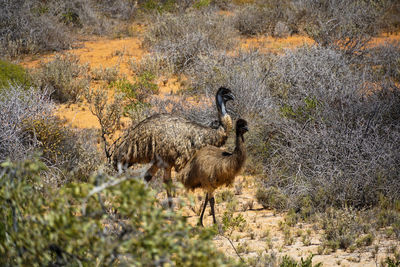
x: 262, y: 233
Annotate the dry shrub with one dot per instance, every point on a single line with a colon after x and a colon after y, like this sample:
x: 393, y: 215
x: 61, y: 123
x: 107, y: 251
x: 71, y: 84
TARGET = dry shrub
x: 251, y: 20
x: 342, y: 24
x: 124, y: 10
x: 64, y: 77
x: 243, y: 73
x: 80, y: 15
x: 156, y: 63
x: 62, y: 148
x: 108, y: 74
x: 336, y: 139
x: 391, y: 19
x: 184, y: 38
x: 272, y: 17
x: 281, y: 30
x: 27, y: 128
x: 35, y: 26
x: 18, y: 104
x: 26, y: 28
x: 321, y: 127
x: 384, y: 60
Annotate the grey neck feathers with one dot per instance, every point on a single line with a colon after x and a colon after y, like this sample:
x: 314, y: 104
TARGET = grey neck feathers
x: 220, y: 106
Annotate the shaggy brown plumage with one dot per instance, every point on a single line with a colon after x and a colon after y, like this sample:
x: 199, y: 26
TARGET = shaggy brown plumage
x: 169, y: 141
x: 211, y: 167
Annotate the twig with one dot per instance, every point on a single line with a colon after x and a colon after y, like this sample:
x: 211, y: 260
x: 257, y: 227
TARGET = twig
x: 230, y: 241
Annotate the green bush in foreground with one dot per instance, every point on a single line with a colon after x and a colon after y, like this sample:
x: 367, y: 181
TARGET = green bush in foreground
x: 71, y: 226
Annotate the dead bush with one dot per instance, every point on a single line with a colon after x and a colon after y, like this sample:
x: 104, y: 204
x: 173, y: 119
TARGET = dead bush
x: 322, y: 127
x: 384, y: 60
x: 18, y: 104
x: 64, y: 77
x: 251, y: 20
x: 26, y: 28
x: 281, y: 30
x: 124, y: 10
x: 344, y: 25
x: 156, y: 63
x: 336, y: 137
x: 108, y: 74
x: 61, y: 148
x: 28, y: 129
x: 184, y: 38
x: 244, y: 73
x: 272, y: 17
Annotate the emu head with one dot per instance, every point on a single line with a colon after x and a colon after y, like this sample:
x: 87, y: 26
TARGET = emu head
x: 241, y: 127
x: 223, y: 95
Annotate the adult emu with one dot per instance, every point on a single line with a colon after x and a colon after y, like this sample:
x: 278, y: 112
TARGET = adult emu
x: 168, y: 141
x: 211, y: 167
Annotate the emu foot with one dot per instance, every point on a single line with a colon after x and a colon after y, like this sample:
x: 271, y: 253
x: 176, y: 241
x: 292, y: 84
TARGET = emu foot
x: 200, y: 223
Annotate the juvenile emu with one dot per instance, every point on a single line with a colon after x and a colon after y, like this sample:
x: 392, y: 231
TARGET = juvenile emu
x: 211, y: 167
x: 169, y: 141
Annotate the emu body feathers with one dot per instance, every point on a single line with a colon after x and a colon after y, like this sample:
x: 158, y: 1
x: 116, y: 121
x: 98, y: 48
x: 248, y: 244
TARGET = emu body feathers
x: 211, y: 167
x: 173, y: 139
x: 169, y: 141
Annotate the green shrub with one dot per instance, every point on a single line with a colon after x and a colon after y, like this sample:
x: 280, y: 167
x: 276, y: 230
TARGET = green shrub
x: 108, y: 74
x: 343, y: 227
x: 230, y: 222
x: 224, y: 196
x: 14, y: 74
x: 271, y: 198
x: 70, y: 226
x: 135, y: 93
x: 289, y: 262
x: 64, y: 77
x: 389, y: 262
x: 159, y: 6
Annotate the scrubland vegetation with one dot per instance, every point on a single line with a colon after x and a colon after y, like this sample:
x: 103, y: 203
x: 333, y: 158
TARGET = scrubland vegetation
x: 324, y: 140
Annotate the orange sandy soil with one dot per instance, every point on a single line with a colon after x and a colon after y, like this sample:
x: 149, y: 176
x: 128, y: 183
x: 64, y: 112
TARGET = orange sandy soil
x: 107, y: 52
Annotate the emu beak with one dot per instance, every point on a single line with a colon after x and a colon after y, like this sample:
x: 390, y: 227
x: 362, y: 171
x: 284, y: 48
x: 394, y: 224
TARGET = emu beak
x: 246, y: 129
x: 229, y: 96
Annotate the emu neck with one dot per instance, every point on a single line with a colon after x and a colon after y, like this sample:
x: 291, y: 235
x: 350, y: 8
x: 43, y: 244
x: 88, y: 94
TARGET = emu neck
x: 221, y: 107
x: 226, y: 123
x: 240, y: 151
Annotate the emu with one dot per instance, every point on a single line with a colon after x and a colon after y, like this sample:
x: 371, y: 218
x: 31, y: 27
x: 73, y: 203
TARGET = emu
x: 211, y: 167
x: 169, y: 141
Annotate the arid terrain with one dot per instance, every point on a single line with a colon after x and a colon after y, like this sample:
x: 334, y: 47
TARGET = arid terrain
x: 263, y: 233
x: 312, y: 85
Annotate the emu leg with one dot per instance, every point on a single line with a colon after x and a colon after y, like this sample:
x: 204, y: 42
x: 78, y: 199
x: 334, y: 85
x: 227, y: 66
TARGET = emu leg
x: 151, y: 172
x: 168, y: 182
x: 202, y: 212
x: 212, y: 202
